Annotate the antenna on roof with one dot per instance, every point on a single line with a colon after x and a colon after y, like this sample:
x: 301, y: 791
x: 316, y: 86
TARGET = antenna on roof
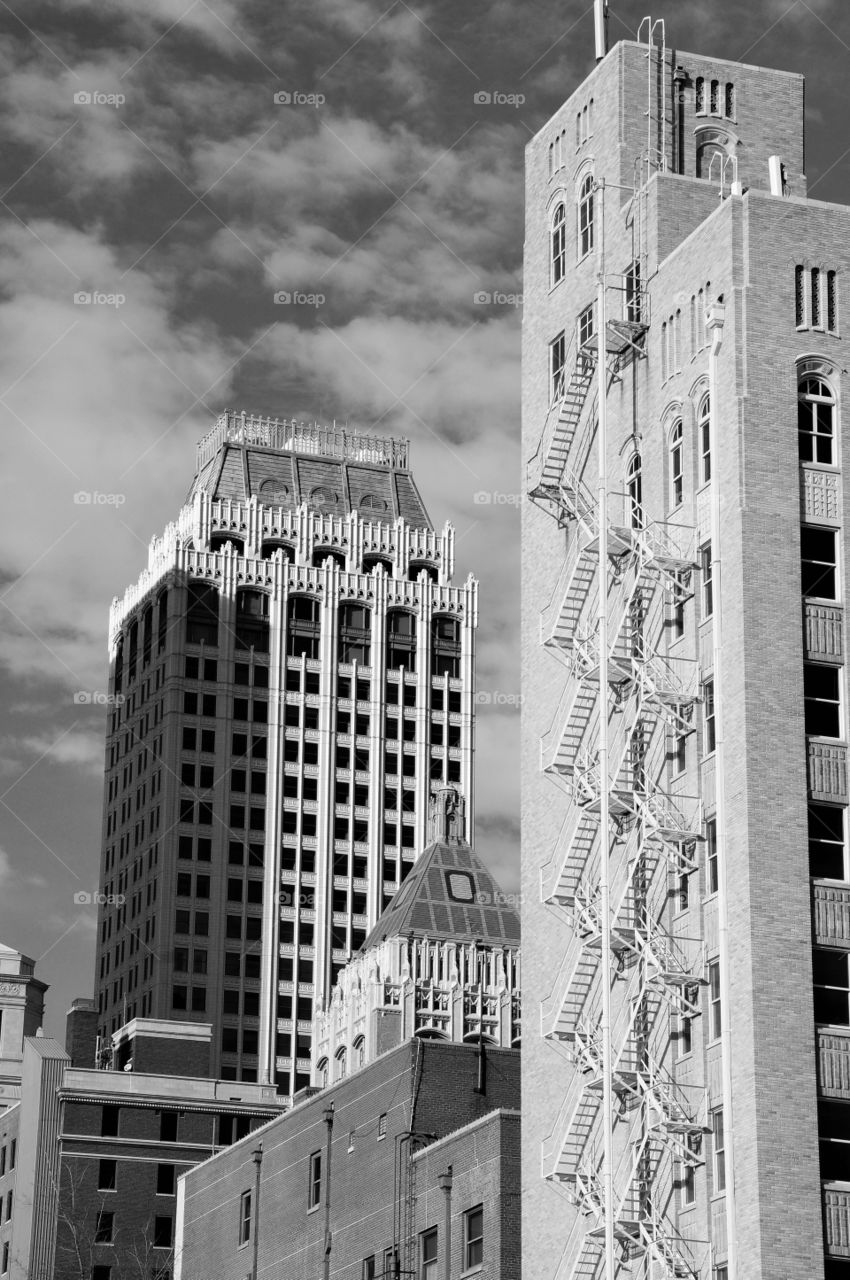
x: 601, y: 20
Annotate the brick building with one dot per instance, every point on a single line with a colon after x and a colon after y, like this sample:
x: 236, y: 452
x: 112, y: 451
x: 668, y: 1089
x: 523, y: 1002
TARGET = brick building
x: 21, y: 1013
x: 685, y: 873
x: 376, y: 1176
x: 89, y: 1159
x: 292, y: 674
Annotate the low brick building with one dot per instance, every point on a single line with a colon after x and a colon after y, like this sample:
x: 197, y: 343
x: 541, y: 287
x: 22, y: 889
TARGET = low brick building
x: 90, y: 1157
x: 376, y: 1176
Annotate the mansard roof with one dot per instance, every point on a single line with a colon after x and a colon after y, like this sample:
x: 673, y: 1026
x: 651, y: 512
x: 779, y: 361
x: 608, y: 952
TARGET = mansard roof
x: 285, y: 464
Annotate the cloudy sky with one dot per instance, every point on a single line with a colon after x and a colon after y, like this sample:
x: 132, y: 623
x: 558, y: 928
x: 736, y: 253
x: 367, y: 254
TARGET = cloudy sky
x: 147, y: 162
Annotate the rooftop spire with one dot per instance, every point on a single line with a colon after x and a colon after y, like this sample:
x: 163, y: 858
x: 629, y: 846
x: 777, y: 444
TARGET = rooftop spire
x: 601, y: 20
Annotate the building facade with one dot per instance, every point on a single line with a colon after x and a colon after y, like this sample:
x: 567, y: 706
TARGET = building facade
x: 21, y: 1014
x: 685, y: 878
x: 409, y: 1167
x: 292, y: 674
x: 89, y: 1158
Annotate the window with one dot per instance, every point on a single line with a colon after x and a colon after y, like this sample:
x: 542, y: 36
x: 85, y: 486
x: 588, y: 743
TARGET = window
x: 314, y: 1184
x: 712, y: 872
x: 715, y: 1007
x: 832, y: 986
x: 816, y: 421
x: 557, y: 362
x: 473, y: 1237
x: 368, y: 1272
x: 704, y: 437
x: 355, y: 633
x: 401, y: 640
x: 826, y: 842
x: 708, y: 721
x: 107, y: 1171
x: 687, y: 1183
x: 676, y: 465
x: 303, y: 627
x: 382, y: 1126
x: 700, y: 94
x: 103, y: 1227
x: 633, y: 311
x: 244, y: 1217
x: 729, y: 102
x: 822, y: 700
x: 202, y: 614
x: 815, y: 299
x: 559, y: 244
x: 818, y: 554
x: 165, y: 1179
x: 428, y: 1254
x: 109, y: 1122
x: 832, y: 301
x: 634, y: 489
x: 715, y: 97
x: 799, y: 297
x: 585, y: 216
x: 683, y: 1034
x: 707, y: 581
x: 718, y: 1148
x: 168, y: 1126
x: 163, y: 1232
x: 586, y: 325
x: 445, y: 648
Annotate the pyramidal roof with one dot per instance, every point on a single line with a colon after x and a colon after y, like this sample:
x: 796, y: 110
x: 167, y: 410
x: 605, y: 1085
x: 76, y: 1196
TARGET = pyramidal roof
x: 449, y: 895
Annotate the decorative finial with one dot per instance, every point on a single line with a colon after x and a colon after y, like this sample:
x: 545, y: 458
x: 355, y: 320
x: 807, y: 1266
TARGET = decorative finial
x: 447, y: 817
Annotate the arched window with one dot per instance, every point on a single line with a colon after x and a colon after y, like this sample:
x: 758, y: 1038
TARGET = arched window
x: 676, y: 465
x: 816, y: 421
x: 322, y: 554
x: 815, y: 296
x: 371, y: 562
x: 119, y: 664
x: 730, y: 102
x: 585, y: 216
x: 664, y: 351
x: 700, y: 94
x: 303, y: 627
x: 147, y: 635
x: 220, y: 539
x: 372, y: 502
x: 252, y: 620
x: 579, y: 138
x: 401, y: 640
x: 705, y: 152
x: 359, y: 1051
x: 559, y: 244
x: 445, y: 646
x: 635, y: 492
x: 715, y: 97
x: 551, y: 158
x: 322, y: 1073
x: 355, y: 633
x: 161, y: 620
x: 271, y: 546
x: 340, y: 1064
x: 274, y: 493
x: 704, y: 439
x: 417, y: 567
x: 134, y: 650
x: 202, y: 614
x: 322, y: 497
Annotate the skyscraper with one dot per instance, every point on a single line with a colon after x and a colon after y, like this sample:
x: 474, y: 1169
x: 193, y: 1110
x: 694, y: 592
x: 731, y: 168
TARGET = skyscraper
x: 686, y: 892
x: 291, y: 673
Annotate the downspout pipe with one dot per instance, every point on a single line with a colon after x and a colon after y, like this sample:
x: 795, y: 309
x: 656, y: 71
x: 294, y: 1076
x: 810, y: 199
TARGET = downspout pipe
x: 715, y: 319
x: 444, y: 1181
x: 257, y: 1157
x: 328, y: 1117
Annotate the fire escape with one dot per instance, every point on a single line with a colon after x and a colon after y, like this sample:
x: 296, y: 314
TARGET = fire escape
x: 642, y: 570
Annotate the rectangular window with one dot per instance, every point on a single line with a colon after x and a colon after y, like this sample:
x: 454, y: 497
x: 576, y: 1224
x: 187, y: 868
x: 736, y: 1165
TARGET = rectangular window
x: 163, y: 1232
x: 683, y: 1033
x: 712, y: 872
x: 244, y: 1217
x: 709, y: 728
x: 826, y: 842
x: 473, y: 1237
x: 109, y: 1122
x: 586, y: 325
x: 107, y: 1172
x: 832, y: 986
x: 819, y: 562
x: 822, y: 700
x: 816, y: 308
x: 832, y: 301
x: 632, y: 294
x: 368, y: 1271
x: 165, y: 1179
x: 707, y: 581
x: 687, y: 1184
x: 168, y: 1126
x: 715, y: 1008
x: 718, y: 1149
x: 382, y: 1126
x: 314, y: 1185
x: 557, y: 363
x: 103, y: 1227
x: 428, y: 1254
